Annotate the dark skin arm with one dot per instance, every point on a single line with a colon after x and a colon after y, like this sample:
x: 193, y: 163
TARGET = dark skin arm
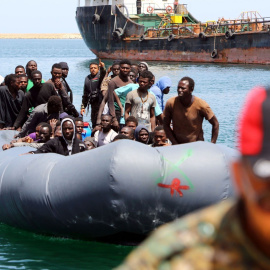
x: 127, y: 110
x: 215, y: 128
x: 152, y: 118
x: 101, y: 108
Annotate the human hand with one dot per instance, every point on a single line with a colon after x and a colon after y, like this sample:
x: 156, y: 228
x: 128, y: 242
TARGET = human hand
x: 53, y: 123
x: 101, y: 64
x: 58, y: 84
x: 6, y: 146
x: 82, y: 111
x: 28, y: 139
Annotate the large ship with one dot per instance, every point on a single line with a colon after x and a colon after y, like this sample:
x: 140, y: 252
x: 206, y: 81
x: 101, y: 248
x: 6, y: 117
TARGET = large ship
x: 166, y: 31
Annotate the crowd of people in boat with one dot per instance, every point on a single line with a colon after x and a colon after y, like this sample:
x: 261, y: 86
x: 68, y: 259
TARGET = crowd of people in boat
x: 124, y: 100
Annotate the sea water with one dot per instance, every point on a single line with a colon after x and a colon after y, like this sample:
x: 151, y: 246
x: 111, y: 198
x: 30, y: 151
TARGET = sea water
x: 222, y: 86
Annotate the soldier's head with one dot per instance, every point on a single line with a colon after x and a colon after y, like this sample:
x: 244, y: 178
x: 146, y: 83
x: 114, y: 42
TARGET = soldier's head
x: 252, y: 169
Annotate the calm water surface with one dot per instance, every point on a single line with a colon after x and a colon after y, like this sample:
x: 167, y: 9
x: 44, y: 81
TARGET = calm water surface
x: 222, y: 86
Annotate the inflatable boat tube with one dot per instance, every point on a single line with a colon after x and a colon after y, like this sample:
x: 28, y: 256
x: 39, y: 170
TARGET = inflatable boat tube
x: 125, y: 186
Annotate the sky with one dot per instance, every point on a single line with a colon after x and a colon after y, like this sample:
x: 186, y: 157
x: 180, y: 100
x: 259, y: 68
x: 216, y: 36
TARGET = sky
x: 58, y: 16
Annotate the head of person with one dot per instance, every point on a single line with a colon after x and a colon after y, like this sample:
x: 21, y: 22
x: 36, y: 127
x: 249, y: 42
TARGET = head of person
x: 252, y: 169
x: 94, y: 68
x: 90, y: 143
x: 45, y: 132
x: 68, y: 128
x: 23, y: 82
x: 19, y: 70
x: 65, y: 69
x: 135, y: 66
x: 13, y: 82
x: 30, y: 67
x: 164, y: 84
x: 120, y: 137
x: 106, y: 122
x: 141, y: 134
x: 36, y: 78
x: 145, y: 80
x: 185, y: 87
x: 54, y: 105
x: 125, y: 66
x: 160, y: 138
x: 143, y: 66
x: 57, y: 131
x: 79, y: 124
x: 133, y: 75
x: 38, y: 128
x: 132, y: 122
x: 128, y: 131
x: 116, y: 68
x: 56, y: 72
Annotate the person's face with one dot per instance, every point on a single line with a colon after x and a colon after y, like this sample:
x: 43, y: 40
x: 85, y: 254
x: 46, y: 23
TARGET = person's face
x: 64, y: 72
x: 44, y: 134
x: 143, y: 136
x: 56, y: 73
x: 166, y: 90
x: 89, y: 145
x: 79, y: 126
x: 132, y: 76
x: 37, y: 80
x: 135, y: 67
x: 131, y: 125
x: 57, y: 132
x: 255, y: 193
x: 125, y: 69
x: 116, y: 70
x: 23, y: 83
x: 127, y: 132
x: 142, y: 67
x: 106, y: 121
x: 19, y: 71
x: 153, y: 80
x: 183, y: 89
x: 94, y: 70
x: 15, y: 84
x: 160, y: 137
x: 68, y: 130
x: 32, y: 65
x: 144, y: 83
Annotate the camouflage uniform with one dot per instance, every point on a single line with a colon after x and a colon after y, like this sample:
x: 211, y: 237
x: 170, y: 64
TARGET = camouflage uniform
x: 211, y: 238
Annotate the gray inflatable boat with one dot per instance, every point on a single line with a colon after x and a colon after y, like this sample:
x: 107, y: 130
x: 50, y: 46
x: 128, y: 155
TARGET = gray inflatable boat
x: 124, y: 187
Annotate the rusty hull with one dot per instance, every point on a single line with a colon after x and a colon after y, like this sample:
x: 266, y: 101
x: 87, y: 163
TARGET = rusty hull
x: 243, y: 47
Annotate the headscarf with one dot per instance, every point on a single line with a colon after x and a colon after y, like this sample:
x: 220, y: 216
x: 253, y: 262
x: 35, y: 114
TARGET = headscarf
x: 137, y: 131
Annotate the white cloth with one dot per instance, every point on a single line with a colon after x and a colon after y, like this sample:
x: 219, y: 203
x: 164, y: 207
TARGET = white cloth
x: 102, y: 138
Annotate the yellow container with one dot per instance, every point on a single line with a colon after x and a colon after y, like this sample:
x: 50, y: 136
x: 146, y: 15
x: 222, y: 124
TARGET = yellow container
x: 177, y: 19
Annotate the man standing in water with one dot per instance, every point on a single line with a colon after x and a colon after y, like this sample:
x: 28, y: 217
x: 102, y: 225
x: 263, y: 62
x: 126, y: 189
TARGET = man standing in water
x: 234, y: 234
x: 91, y: 91
x: 187, y: 112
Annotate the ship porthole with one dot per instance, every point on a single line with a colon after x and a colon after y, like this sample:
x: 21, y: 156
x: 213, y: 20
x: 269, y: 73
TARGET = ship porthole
x: 228, y: 34
x: 202, y: 36
x: 171, y: 37
x: 214, y: 53
x: 142, y: 37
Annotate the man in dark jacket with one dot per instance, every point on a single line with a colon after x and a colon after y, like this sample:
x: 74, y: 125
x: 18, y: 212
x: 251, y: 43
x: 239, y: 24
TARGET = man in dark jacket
x: 91, y: 92
x: 11, y: 99
x: 66, y: 145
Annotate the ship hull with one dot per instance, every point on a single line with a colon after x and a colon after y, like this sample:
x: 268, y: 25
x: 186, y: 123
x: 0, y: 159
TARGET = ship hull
x: 243, y: 47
